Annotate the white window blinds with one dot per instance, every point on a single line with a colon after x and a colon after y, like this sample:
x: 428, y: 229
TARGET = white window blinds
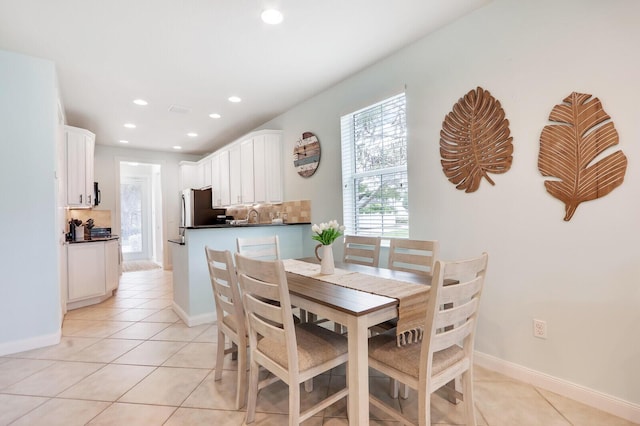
x: 374, y: 170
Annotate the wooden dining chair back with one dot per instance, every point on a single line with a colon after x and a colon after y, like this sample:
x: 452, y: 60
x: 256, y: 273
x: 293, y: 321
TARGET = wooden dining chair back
x: 264, y: 248
x: 361, y: 250
x: 417, y: 256
x: 292, y: 353
x: 446, y: 350
x: 230, y: 316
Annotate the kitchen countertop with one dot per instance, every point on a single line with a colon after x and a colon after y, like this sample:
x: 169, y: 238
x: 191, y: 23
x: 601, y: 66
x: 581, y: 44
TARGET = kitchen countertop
x: 243, y: 225
x: 94, y: 240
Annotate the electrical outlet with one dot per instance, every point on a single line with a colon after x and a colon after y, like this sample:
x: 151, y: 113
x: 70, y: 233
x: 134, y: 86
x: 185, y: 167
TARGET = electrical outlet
x: 539, y: 329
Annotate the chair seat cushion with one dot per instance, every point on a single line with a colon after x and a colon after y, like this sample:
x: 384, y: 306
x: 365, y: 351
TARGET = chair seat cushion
x: 383, y: 348
x: 316, y: 345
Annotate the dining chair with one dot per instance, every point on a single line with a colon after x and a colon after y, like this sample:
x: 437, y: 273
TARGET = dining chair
x: 230, y: 315
x: 265, y: 248
x: 361, y: 250
x: 446, y: 350
x: 293, y: 353
x: 417, y: 256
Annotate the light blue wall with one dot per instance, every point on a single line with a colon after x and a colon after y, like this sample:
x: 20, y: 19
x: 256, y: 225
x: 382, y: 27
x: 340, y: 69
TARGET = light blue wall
x: 29, y: 289
x: 582, y: 277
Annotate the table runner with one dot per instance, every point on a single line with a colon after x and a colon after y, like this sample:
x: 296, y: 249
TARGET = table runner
x: 411, y: 297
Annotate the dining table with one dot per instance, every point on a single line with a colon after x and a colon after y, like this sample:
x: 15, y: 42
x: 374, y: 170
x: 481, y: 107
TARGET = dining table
x: 354, y: 308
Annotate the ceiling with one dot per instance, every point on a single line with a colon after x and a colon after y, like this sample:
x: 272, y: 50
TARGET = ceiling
x: 197, y: 53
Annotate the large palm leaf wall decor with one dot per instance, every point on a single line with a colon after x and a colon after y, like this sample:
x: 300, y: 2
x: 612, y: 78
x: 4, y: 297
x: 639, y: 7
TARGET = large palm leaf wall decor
x: 475, y: 141
x: 567, y: 150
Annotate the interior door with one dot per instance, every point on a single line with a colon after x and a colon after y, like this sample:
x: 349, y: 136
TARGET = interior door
x: 135, y: 217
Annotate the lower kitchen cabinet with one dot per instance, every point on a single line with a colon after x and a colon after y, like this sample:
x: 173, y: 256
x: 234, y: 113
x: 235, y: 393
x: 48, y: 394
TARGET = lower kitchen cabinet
x: 93, y: 272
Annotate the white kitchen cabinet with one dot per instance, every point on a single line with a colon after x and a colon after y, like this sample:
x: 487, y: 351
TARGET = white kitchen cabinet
x: 93, y: 272
x: 273, y: 168
x: 188, y: 175
x: 235, y: 189
x: 220, y: 179
x: 86, y: 269
x: 203, y: 173
x: 79, y: 149
x: 246, y: 171
x: 111, y: 265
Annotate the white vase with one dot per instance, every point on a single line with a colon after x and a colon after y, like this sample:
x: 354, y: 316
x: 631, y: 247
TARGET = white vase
x: 327, y: 266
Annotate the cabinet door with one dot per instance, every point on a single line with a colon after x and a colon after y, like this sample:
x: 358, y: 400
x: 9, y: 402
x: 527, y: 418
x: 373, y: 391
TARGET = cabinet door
x: 75, y: 169
x: 273, y: 168
x: 188, y: 172
x: 259, y: 164
x: 79, y: 166
x: 246, y: 171
x: 86, y: 270
x: 225, y: 190
x: 89, y: 149
x: 111, y: 264
x: 235, y: 175
x: 207, y: 177
x: 216, y: 198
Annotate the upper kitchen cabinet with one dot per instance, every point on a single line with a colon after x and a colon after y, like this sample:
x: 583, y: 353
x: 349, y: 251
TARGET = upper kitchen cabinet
x: 204, y: 173
x: 243, y: 172
x: 220, y: 179
x: 195, y: 175
x: 261, y: 168
x: 188, y: 175
x: 267, y: 166
x: 79, y: 148
x: 246, y: 171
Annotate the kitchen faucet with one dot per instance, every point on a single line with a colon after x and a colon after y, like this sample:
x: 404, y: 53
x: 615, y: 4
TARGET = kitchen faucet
x: 249, y: 216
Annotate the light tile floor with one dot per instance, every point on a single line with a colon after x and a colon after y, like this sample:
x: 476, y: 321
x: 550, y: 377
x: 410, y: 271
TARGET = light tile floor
x: 131, y: 361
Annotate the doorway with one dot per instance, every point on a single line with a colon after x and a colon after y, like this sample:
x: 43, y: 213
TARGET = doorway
x: 141, y: 213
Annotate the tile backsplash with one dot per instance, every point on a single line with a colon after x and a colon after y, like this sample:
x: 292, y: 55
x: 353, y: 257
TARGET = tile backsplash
x: 290, y: 211
x: 101, y: 218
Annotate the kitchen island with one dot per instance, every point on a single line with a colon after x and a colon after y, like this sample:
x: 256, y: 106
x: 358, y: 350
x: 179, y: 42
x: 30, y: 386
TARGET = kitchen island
x: 192, y: 295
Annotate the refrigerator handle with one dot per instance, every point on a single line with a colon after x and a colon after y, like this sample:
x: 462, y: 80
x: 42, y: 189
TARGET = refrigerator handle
x: 184, y: 211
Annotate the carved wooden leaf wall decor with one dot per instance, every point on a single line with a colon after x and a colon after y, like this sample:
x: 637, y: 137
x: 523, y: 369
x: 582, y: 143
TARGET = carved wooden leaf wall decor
x: 475, y: 140
x: 584, y: 131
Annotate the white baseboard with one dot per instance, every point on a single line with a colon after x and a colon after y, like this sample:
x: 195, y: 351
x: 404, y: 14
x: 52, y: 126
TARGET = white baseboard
x: 36, y: 342
x: 192, y: 321
x: 593, y: 398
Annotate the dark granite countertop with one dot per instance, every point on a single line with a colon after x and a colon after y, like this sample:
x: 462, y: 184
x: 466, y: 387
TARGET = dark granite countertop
x: 244, y: 225
x: 95, y: 240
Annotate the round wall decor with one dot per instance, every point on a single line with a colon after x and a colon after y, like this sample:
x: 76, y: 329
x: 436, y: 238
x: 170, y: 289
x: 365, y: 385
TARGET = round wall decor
x: 306, y: 154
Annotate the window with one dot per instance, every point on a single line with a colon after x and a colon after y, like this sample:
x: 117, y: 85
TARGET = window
x: 374, y: 170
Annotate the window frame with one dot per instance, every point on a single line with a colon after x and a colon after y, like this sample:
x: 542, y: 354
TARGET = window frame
x: 351, y: 217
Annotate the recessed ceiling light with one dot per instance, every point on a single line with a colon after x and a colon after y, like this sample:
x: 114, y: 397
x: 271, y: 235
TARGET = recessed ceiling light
x: 214, y: 115
x: 130, y: 126
x: 234, y: 99
x: 177, y: 147
x: 192, y: 134
x: 271, y: 17
x: 141, y: 102
x: 123, y: 141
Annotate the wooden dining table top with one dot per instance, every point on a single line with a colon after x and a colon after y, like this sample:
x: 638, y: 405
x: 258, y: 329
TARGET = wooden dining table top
x: 354, y: 302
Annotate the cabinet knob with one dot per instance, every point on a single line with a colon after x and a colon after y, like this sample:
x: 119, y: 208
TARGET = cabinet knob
x: 80, y: 198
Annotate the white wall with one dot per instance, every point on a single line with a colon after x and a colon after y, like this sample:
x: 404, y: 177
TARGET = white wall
x: 107, y: 159
x: 582, y: 277
x: 30, y: 292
